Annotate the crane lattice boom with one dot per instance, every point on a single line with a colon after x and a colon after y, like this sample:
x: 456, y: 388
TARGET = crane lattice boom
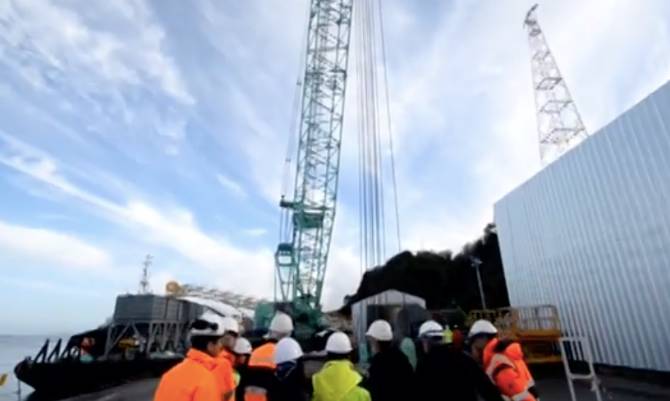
x: 301, y: 263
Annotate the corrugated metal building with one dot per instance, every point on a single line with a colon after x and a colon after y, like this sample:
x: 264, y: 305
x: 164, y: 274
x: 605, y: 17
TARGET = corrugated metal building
x: 591, y: 234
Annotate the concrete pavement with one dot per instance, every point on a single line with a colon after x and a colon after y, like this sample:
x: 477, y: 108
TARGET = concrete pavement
x: 551, y: 389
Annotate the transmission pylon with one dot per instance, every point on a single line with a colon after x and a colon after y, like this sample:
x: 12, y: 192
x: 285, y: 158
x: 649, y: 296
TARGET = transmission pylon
x: 559, y: 124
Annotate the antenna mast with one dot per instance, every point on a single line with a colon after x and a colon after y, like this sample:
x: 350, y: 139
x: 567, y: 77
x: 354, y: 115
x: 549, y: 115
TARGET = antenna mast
x: 559, y: 124
x: 144, y: 281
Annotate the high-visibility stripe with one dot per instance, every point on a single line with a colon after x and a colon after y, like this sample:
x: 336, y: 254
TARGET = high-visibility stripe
x: 255, y: 393
x: 522, y: 396
x: 500, y: 362
x: 497, y: 360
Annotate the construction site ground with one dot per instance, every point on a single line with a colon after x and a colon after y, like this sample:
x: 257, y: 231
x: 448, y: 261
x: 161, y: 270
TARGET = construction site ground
x: 552, y: 389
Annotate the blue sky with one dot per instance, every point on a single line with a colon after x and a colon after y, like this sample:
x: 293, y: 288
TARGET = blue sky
x: 134, y: 127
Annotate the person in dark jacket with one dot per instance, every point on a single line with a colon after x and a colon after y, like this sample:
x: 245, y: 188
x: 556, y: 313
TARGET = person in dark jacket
x: 291, y: 384
x: 390, y: 376
x: 242, y: 352
x: 448, y: 374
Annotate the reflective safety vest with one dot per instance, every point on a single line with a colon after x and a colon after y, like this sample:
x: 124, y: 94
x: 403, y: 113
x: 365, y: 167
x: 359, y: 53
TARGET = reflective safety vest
x: 263, y: 356
x: 190, y: 380
x: 508, y: 371
x: 223, y: 373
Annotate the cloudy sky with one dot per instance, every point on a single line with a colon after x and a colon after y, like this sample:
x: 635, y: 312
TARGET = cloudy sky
x: 135, y: 127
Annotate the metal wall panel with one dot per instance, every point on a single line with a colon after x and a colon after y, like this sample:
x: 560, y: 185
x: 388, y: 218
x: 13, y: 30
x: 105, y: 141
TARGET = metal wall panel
x: 590, y: 234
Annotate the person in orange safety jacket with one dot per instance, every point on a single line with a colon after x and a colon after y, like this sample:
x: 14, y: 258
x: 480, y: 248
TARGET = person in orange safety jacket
x: 225, y: 370
x: 193, y: 379
x: 260, y: 380
x: 503, y: 363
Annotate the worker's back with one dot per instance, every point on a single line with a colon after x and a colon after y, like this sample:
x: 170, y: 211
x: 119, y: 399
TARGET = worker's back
x: 391, y: 376
x: 338, y: 381
x: 263, y: 356
x: 190, y: 380
x: 447, y: 374
x: 259, y: 379
x: 291, y: 385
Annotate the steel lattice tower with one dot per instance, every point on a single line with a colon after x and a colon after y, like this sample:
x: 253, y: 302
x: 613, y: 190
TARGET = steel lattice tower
x: 559, y: 124
x: 301, y: 263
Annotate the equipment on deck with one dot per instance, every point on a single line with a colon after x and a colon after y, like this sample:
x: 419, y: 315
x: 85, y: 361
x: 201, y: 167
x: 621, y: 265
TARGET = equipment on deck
x: 147, y: 335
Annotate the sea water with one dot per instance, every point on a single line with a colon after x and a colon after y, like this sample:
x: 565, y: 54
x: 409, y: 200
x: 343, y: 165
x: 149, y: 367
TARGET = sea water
x: 13, y: 349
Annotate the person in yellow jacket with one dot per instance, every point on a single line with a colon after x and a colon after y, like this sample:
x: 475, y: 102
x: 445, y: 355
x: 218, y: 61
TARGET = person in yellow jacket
x: 193, y: 378
x: 338, y: 380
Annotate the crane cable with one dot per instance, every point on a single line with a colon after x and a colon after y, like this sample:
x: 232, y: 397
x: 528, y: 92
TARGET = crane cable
x: 389, y: 127
x: 372, y: 229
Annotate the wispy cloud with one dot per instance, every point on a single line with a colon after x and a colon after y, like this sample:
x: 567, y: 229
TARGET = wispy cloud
x: 61, y: 42
x: 66, y: 63
x: 255, y: 232
x: 174, y: 228
x: 51, y: 247
x: 233, y: 187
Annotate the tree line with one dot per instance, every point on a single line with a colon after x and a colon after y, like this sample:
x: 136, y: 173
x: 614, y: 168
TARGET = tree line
x: 444, y: 279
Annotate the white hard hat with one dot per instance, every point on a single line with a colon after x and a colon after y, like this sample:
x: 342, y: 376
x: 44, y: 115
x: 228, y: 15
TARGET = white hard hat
x: 431, y: 328
x: 287, y: 349
x: 242, y: 346
x: 208, y: 324
x: 231, y: 325
x: 380, y: 330
x: 281, y: 323
x: 338, y: 343
x: 482, y: 327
